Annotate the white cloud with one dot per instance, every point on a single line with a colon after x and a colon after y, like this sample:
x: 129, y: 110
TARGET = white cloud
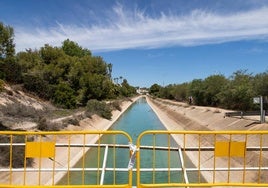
x: 137, y: 30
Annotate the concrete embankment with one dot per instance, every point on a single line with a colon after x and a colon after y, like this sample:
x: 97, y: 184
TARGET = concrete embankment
x: 181, y: 116
x: 49, y: 178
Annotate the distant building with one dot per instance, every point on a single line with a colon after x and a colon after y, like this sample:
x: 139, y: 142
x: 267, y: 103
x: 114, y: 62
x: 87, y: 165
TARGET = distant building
x: 142, y: 91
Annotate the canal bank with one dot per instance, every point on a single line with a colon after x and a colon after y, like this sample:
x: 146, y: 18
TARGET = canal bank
x: 170, y: 119
x: 94, y: 123
x: 180, y: 116
x: 168, y: 115
x: 137, y: 119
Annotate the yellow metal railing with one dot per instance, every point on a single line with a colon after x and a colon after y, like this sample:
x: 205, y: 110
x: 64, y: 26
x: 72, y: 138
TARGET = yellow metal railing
x: 203, y: 159
x: 163, y: 159
x: 58, y: 159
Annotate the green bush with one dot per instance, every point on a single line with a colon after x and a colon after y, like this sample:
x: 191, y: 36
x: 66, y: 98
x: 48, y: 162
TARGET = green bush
x: 116, y: 105
x: 100, y: 108
x: 36, y: 84
x: 64, y: 96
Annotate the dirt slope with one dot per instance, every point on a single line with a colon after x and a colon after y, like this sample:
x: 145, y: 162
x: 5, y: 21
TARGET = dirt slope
x: 19, y: 110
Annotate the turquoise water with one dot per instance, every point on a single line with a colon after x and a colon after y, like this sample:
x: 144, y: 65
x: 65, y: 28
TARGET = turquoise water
x: 137, y: 119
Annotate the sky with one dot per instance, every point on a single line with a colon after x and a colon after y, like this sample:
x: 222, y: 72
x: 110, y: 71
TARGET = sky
x: 150, y: 41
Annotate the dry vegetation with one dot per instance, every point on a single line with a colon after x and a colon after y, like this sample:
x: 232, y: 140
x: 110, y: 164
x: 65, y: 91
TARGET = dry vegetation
x: 21, y: 111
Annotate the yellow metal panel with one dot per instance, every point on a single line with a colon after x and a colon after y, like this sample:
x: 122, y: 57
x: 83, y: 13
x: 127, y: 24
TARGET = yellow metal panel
x: 237, y: 149
x: 40, y: 149
x: 222, y: 149
x: 32, y: 149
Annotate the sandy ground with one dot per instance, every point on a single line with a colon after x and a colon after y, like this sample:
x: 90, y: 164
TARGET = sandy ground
x: 181, y: 116
x: 94, y: 123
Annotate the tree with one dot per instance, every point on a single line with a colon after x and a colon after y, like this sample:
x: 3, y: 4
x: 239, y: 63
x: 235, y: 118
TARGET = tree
x: 64, y: 96
x: 180, y: 92
x: 98, y: 66
x: 166, y: 92
x: 238, y: 93
x: 110, y: 69
x: 120, y: 78
x: 29, y: 60
x: 7, y: 47
x: 35, y: 83
x: 213, y: 86
x: 50, y: 54
x: 73, y: 49
x: 154, y: 89
x: 126, y: 90
x: 116, y: 80
x: 260, y: 84
x: 197, y: 91
x: 9, y: 69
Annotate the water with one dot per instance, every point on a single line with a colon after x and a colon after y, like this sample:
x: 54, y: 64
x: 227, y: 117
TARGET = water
x: 137, y: 119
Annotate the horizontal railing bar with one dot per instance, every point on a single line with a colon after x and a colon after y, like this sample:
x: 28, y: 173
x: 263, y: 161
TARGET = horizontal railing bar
x: 227, y: 184
x: 204, y: 169
x: 59, y: 169
x: 251, y: 148
x: 126, y: 169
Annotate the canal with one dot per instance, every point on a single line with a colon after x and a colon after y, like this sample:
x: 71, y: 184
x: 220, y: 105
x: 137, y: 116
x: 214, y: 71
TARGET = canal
x: 137, y: 119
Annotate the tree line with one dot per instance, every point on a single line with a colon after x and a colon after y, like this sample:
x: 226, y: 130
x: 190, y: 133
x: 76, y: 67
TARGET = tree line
x: 236, y: 92
x: 68, y: 75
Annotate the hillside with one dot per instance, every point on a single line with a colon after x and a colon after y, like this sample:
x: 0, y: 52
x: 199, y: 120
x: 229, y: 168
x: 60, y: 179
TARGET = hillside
x: 22, y: 111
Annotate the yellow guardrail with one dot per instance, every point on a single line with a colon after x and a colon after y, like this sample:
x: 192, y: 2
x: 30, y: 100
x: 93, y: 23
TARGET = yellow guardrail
x: 58, y: 159
x: 163, y: 159
x: 203, y: 159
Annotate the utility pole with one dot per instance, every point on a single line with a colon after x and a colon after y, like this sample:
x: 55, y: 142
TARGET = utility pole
x: 262, y: 111
x: 259, y: 100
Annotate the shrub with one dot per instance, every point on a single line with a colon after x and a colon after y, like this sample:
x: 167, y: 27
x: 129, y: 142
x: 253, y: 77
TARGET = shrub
x: 36, y: 84
x: 64, y: 96
x: 45, y: 125
x: 73, y: 121
x: 116, y: 105
x: 99, y: 108
x: 20, y: 110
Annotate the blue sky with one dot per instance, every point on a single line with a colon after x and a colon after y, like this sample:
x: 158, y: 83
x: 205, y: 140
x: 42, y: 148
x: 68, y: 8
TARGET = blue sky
x: 150, y: 41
